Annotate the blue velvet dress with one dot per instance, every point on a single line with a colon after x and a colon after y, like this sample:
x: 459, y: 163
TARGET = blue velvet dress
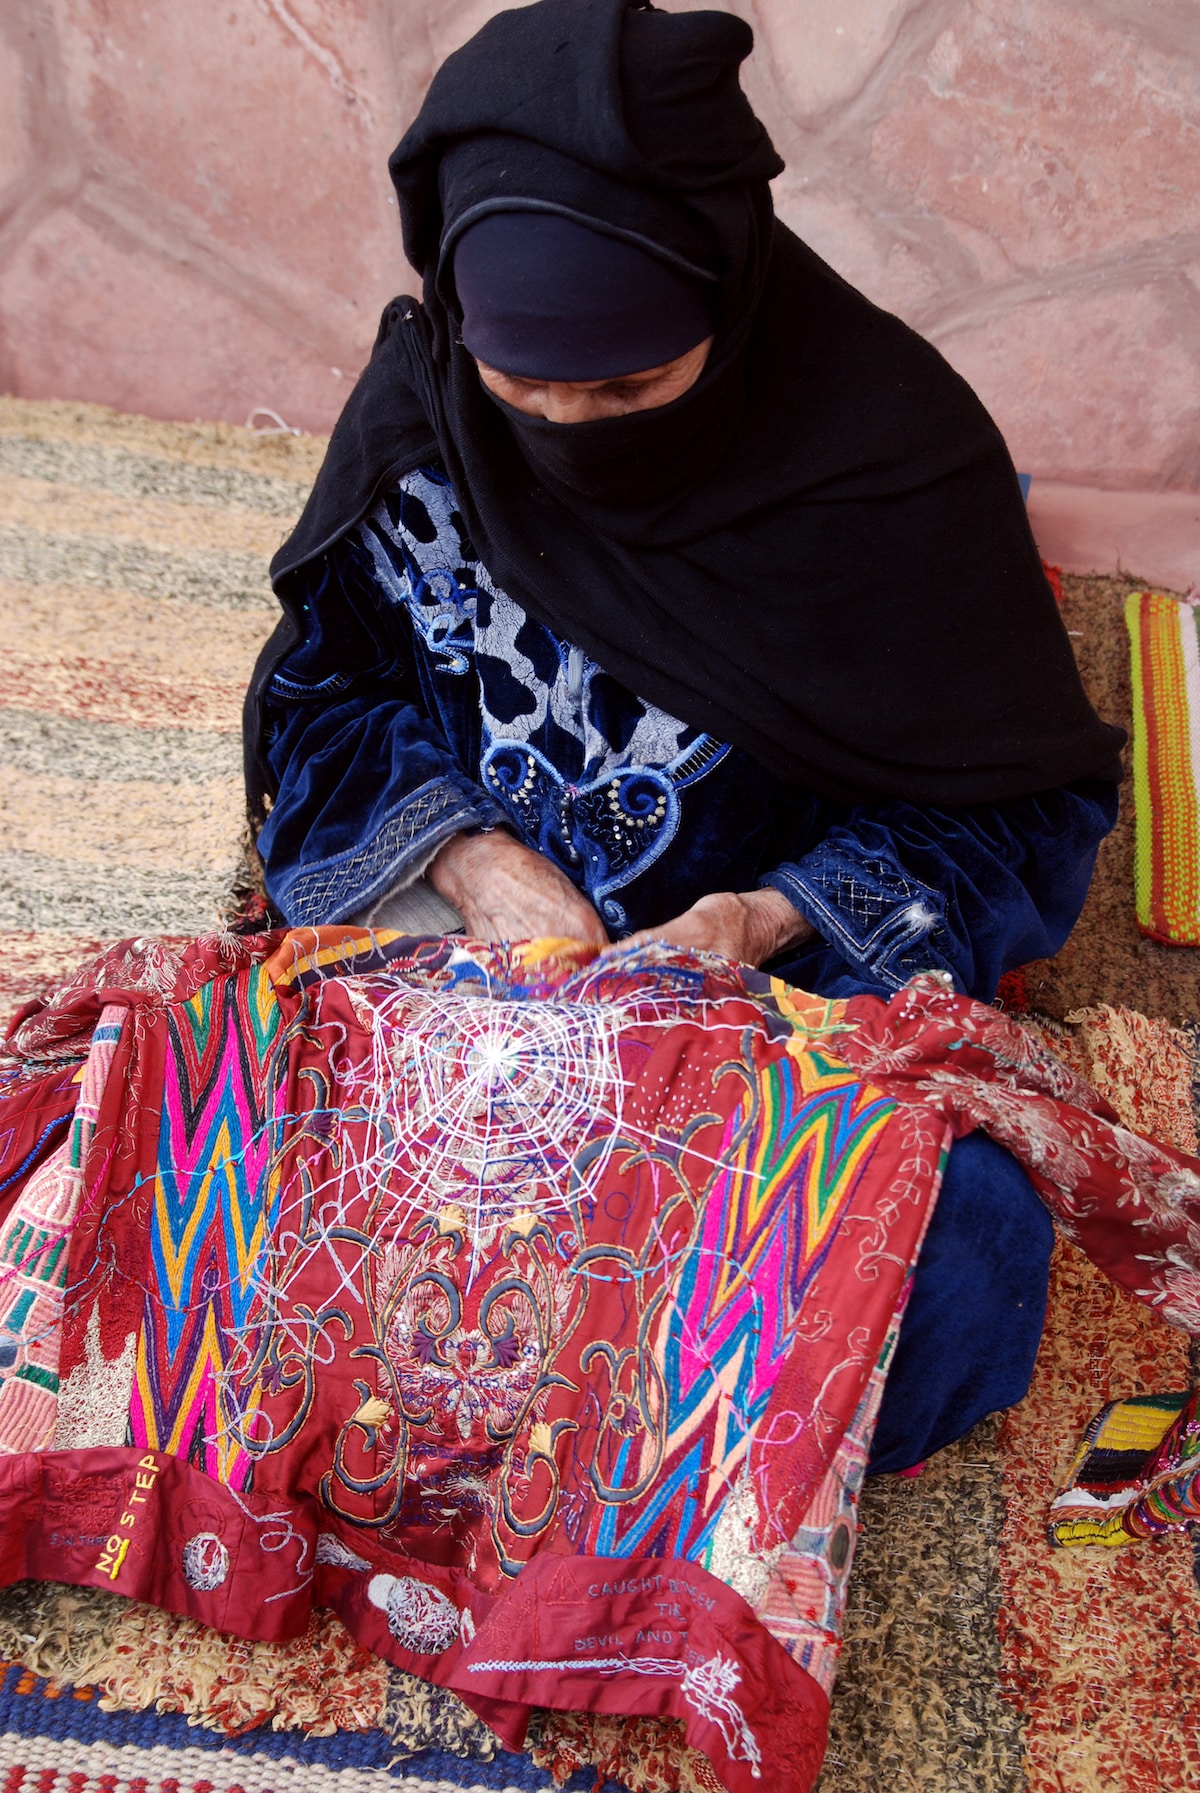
x: 422, y: 701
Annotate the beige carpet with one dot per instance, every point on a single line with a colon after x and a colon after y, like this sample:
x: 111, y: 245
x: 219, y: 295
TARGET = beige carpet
x: 133, y: 599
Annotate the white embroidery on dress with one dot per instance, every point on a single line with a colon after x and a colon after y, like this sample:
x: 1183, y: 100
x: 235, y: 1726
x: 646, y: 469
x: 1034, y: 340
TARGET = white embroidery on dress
x: 205, y: 1562
x: 734, y: 1558
x: 418, y: 1616
x: 331, y: 1550
x: 93, y: 1402
x: 707, y: 1687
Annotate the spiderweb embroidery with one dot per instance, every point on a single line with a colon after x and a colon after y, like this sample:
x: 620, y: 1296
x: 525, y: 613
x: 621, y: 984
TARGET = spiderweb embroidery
x: 485, y: 1101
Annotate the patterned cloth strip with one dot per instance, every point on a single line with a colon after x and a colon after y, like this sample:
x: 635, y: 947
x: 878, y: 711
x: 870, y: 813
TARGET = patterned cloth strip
x: 34, y: 1242
x: 1136, y: 1474
x: 1166, y: 765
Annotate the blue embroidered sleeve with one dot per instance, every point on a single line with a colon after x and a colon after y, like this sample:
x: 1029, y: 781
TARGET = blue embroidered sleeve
x: 368, y: 785
x: 895, y: 888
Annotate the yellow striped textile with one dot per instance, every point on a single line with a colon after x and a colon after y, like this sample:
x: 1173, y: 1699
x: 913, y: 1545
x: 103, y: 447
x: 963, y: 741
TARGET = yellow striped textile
x: 1165, y: 649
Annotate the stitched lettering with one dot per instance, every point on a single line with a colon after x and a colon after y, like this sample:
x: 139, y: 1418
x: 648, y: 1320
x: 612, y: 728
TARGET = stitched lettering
x: 605, y: 1640
x: 116, y: 1548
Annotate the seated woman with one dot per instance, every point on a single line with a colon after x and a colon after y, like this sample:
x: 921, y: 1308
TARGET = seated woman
x: 657, y: 584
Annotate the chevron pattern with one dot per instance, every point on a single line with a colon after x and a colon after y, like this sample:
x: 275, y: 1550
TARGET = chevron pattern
x: 790, y: 1163
x: 214, y: 1200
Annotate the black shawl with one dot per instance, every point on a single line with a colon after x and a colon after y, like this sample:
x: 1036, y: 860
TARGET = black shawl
x: 819, y: 553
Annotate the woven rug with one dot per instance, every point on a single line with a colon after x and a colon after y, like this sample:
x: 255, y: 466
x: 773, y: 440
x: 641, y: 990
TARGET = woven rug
x: 133, y: 598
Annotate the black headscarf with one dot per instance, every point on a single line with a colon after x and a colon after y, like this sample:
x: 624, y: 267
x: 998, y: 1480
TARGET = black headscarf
x: 818, y: 553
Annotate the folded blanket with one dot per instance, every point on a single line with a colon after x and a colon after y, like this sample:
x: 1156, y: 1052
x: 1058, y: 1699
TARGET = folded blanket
x: 1166, y: 765
x: 530, y: 1310
x: 1136, y: 1473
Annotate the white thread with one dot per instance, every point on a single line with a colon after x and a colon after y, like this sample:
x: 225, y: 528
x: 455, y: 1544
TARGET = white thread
x: 279, y: 427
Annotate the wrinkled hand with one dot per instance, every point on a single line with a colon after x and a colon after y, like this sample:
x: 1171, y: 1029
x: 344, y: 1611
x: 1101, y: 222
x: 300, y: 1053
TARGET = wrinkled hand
x: 751, y: 926
x: 506, y: 891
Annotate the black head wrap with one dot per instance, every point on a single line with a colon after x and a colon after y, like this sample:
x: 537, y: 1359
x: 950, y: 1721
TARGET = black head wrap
x: 819, y: 552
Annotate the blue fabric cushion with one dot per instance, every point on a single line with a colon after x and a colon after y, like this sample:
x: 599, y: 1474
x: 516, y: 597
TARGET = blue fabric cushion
x: 974, y: 1321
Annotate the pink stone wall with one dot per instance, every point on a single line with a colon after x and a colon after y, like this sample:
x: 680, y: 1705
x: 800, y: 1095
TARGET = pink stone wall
x: 195, y: 217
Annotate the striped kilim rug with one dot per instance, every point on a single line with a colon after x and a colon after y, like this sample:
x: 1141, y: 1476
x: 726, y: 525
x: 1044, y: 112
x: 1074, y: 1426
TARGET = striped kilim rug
x: 61, y: 1740
x: 133, y: 598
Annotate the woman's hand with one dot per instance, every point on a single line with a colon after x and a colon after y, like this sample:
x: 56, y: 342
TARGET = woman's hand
x: 506, y: 891
x: 751, y: 926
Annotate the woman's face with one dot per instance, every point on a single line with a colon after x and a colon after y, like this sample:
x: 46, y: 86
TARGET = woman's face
x: 586, y: 401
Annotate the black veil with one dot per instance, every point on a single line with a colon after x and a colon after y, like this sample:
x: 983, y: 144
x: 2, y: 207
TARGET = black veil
x: 820, y: 552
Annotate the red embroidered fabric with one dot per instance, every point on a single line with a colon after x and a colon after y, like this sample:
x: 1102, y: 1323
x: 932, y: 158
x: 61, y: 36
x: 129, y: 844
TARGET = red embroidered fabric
x: 528, y: 1309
